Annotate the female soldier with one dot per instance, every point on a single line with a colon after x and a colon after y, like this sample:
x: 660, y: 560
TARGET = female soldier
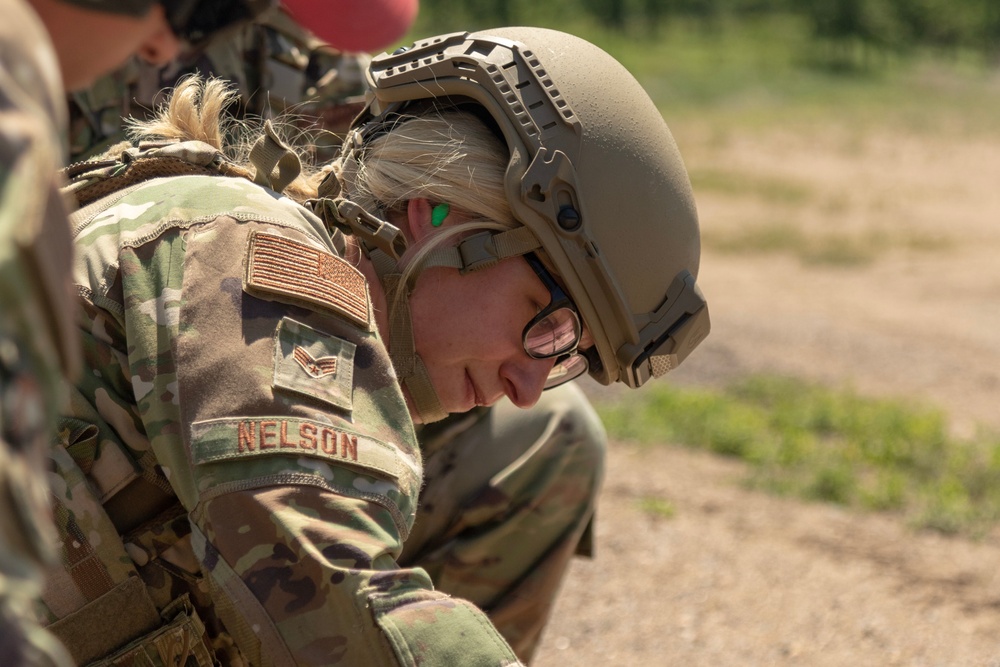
x: 240, y: 470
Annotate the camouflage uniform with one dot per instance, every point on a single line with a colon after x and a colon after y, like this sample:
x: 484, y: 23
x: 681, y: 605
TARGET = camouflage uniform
x: 36, y: 342
x: 499, y: 527
x: 275, y: 65
x: 241, y: 428
x: 507, y: 500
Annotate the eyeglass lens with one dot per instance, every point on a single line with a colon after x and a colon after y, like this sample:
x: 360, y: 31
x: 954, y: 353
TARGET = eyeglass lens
x: 567, y: 368
x: 557, y: 332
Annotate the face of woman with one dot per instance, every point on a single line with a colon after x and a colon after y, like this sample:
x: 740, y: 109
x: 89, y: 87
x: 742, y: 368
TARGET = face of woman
x: 468, y: 331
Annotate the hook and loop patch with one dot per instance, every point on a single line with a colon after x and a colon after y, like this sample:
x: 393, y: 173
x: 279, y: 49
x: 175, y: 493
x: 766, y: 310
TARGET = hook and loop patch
x: 283, y: 269
x: 313, y: 363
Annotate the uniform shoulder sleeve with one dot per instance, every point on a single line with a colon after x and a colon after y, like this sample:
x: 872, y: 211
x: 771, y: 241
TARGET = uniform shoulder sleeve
x: 271, y: 405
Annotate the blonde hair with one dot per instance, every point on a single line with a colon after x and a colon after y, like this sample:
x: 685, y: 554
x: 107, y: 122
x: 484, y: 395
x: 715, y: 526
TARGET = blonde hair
x: 445, y: 156
x: 196, y: 111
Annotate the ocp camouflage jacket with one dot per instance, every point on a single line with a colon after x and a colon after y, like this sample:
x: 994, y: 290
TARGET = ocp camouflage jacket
x: 38, y: 345
x: 238, y: 470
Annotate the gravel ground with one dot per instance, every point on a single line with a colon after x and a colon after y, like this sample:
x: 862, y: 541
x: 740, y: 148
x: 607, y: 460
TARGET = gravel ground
x: 740, y: 578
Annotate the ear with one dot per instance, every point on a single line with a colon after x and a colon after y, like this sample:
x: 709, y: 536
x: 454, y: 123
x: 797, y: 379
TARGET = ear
x: 418, y: 212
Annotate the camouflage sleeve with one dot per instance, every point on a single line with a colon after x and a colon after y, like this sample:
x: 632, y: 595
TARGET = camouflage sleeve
x: 275, y: 65
x: 270, y: 404
x: 37, y: 345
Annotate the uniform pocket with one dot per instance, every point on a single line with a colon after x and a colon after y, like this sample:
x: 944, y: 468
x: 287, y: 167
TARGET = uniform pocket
x: 180, y: 641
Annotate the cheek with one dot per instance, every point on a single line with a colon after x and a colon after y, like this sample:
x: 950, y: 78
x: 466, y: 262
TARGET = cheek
x: 501, y: 311
x: 441, y: 312
x: 479, y: 315
x: 474, y: 314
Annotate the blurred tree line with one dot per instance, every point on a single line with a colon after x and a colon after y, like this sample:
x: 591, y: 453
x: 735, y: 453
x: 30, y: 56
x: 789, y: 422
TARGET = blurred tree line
x: 847, y: 26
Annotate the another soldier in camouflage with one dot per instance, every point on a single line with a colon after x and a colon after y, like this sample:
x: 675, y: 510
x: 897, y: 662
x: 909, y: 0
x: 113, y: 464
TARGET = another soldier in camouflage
x: 46, y: 48
x: 275, y: 65
x: 306, y: 53
x: 38, y: 344
x: 243, y: 426
x: 34, y: 322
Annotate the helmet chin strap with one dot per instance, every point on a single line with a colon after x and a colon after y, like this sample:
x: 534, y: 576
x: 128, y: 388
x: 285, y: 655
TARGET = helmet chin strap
x: 384, y: 244
x: 402, y: 349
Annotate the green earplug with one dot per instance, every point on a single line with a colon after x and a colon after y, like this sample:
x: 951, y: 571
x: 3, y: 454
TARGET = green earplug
x: 439, y: 213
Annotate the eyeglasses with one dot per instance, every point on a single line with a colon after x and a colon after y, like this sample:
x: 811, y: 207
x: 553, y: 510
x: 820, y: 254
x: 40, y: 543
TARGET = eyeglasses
x: 555, y: 331
x: 194, y: 21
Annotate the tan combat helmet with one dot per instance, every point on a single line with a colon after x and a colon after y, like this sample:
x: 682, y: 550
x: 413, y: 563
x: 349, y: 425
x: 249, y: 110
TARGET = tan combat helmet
x: 594, y: 173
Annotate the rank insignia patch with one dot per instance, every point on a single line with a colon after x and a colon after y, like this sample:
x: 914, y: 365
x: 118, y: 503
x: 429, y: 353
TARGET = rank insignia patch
x: 313, y: 363
x: 315, y: 367
x: 287, y: 270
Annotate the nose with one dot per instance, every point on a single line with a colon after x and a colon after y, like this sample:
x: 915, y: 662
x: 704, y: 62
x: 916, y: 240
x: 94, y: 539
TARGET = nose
x: 524, y: 382
x: 160, y: 48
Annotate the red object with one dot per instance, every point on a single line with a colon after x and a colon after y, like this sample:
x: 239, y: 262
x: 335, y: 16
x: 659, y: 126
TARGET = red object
x: 355, y: 26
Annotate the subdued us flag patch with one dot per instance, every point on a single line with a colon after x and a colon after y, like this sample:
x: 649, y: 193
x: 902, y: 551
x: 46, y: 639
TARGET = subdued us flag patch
x: 313, y: 363
x: 286, y: 270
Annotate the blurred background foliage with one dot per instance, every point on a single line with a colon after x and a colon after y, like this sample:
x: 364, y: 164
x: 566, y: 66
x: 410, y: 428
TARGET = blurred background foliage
x: 919, y: 65
x: 855, y: 31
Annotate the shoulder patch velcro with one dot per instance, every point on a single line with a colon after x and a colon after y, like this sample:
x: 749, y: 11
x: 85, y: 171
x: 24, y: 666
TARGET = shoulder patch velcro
x: 313, y: 363
x: 288, y: 270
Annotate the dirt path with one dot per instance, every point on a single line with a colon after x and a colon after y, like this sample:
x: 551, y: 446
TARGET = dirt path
x: 741, y: 578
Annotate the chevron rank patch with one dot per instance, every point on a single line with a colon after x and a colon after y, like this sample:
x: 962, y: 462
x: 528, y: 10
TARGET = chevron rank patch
x: 290, y: 271
x: 314, y: 364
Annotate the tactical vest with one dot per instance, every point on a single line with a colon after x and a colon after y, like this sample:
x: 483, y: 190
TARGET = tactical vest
x: 117, y: 516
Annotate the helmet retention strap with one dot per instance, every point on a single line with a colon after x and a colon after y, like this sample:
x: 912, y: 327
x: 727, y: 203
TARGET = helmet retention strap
x: 483, y: 249
x: 402, y: 348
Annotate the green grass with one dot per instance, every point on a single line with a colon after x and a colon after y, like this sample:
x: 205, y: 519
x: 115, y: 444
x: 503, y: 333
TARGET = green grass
x: 769, y: 71
x: 657, y: 507
x: 740, y: 183
x: 812, y: 442
x: 834, y: 249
